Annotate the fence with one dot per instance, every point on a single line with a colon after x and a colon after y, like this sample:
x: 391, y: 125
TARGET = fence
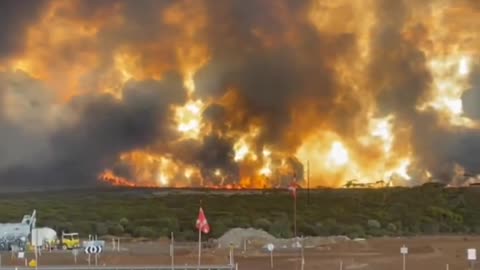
x: 178, y: 267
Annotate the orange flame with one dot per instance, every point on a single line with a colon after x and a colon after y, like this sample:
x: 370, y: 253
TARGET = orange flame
x: 72, y: 55
x: 110, y: 178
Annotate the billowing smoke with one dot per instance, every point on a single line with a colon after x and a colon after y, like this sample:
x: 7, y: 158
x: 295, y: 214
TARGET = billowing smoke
x: 100, y: 128
x: 471, y: 97
x: 15, y: 18
x: 239, y: 92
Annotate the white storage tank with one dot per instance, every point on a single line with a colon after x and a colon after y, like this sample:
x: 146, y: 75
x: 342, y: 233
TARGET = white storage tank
x: 41, y: 236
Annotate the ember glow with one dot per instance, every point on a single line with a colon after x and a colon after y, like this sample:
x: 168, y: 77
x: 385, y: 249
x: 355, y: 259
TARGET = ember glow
x: 240, y: 94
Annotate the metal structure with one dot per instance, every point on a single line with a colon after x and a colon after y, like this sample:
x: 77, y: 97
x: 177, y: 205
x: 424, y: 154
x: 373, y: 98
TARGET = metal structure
x: 17, y: 234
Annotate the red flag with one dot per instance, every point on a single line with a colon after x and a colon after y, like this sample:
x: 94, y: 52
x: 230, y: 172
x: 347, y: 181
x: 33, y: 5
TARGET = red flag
x: 202, y: 223
x: 293, y: 188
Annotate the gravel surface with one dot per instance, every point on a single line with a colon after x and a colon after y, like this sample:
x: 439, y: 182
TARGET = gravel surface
x: 238, y: 236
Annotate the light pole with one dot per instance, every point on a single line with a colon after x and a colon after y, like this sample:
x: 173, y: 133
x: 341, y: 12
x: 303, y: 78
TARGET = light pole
x: 308, y: 181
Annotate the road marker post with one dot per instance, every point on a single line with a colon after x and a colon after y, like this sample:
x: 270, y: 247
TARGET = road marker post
x: 472, y: 257
x: 404, y: 252
x: 36, y: 253
x: 303, y: 253
x: 93, y: 250
x: 231, y: 254
x: 75, y: 254
x: 22, y: 255
x: 270, y: 248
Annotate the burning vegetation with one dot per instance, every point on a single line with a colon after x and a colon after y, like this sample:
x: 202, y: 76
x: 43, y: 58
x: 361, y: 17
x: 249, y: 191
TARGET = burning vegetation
x: 239, y: 94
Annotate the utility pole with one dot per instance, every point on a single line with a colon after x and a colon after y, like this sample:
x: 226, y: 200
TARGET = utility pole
x: 308, y: 181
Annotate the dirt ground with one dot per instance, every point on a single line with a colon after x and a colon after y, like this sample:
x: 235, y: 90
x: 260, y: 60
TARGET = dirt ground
x: 425, y: 253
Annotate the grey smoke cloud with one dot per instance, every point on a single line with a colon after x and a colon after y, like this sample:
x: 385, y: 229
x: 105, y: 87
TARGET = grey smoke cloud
x: 104, y: 128
x: 471, y: 97
x: 15, y: 17
x: 267, y: 52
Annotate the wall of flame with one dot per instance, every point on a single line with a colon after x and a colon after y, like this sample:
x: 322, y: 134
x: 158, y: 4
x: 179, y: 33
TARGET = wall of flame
x: 364, y: 91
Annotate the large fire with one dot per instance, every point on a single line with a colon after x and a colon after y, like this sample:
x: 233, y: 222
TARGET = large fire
x: 340, y: 86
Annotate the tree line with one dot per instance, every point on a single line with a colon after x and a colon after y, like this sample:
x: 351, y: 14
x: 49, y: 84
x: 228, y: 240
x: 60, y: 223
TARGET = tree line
x: 428, y: 209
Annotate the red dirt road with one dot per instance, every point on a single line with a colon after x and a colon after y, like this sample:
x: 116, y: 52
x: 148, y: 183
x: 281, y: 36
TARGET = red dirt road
x: 425, y: 253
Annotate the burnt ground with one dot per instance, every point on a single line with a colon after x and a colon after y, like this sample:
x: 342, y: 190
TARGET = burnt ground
x: 376, y: 254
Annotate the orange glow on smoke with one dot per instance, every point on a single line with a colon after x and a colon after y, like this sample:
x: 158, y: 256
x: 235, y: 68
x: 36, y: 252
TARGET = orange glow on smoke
x: 71, y: 56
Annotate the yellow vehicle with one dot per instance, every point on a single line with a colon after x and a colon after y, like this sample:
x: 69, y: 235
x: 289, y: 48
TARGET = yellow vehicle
x: 70, y: 241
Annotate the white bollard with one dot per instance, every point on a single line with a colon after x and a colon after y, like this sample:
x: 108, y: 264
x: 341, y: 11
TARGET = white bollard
x: 271, y: 259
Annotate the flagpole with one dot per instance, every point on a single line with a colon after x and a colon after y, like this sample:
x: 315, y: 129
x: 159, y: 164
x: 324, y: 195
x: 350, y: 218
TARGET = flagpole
x: 295, y: 206
x: 199, y: 246
x: 172, y: 252
x: 199, y: 241
x: 308, y: 181
x: 293, y: 188
x: 295, y: 216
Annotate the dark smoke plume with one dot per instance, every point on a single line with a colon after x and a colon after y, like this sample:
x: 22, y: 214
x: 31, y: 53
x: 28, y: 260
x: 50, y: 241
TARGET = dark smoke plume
x: 15, y: 18
x: 105, y: 127
x: 402, y: 79
x: 285, y: 74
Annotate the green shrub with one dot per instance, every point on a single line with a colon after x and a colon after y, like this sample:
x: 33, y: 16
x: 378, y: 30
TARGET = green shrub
x: 144, y: 231
x: 124, y: 222
x: 354, y: 231
x: 374, y: 224
x: 281, y: 228
x: 393, y: 211
x: 115, y: 229
x: 100, y: 229
x: 430, y: 228
x: 84, y: 228
x: 391, y: 227
x: 187, y: 236
x: 320, y: 229
x: 328, y: 227
x: 305, y: 229
x: 218, y: 228
x: 241, y: 222
x: 476, y: 229
x: 168, y: 224
x: 262, y: 223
